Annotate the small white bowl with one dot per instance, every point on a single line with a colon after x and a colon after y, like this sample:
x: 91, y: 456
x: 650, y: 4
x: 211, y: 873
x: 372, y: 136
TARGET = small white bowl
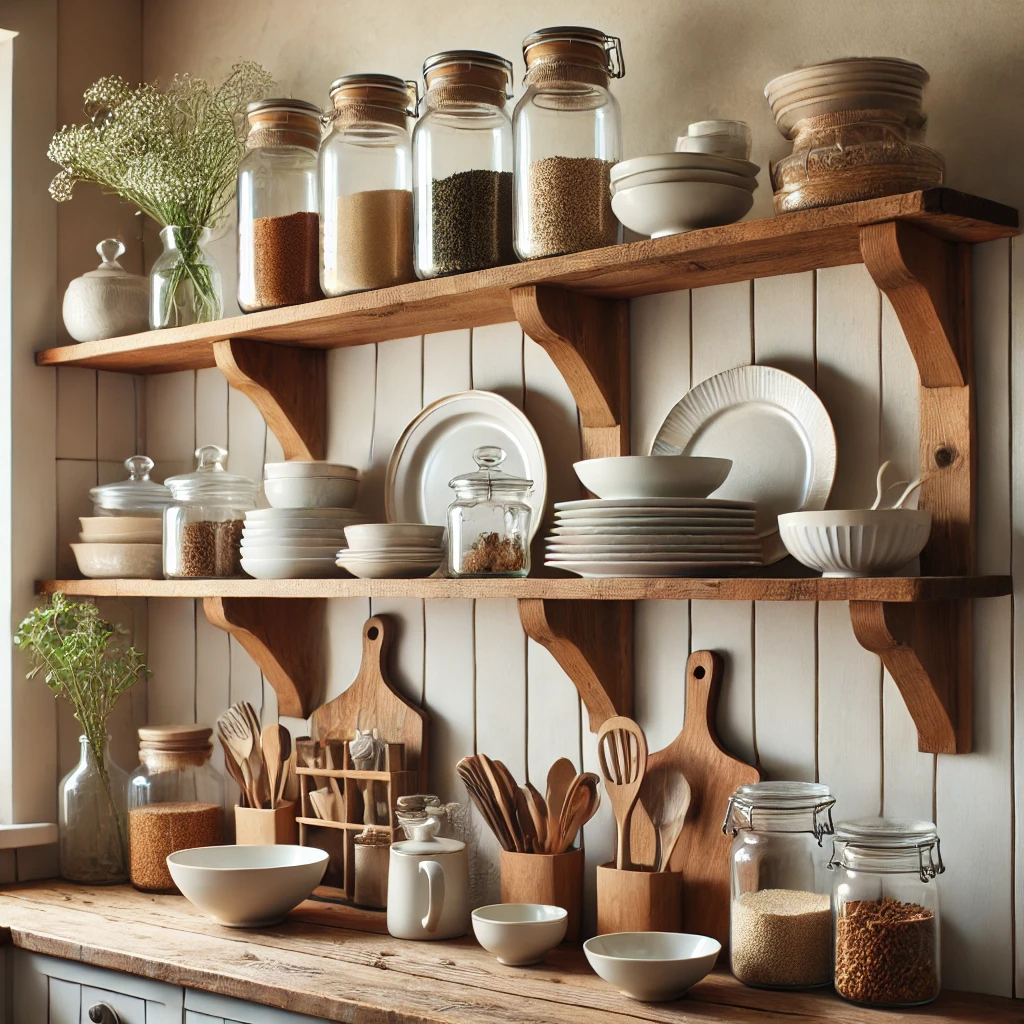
x: 122, y: 529
x: 247, y: 886
x: 382, y: 535
x: 311, y: 492
x: 308, y: 468
x: 682, y: 162
x: 653, y: 476
x: 120, y: 561
x: 674, y: 207
x: 652, y: 967
x: 519, y: 933
x: 715, y: 177
x: 860, y: 542
x: 288, y: 568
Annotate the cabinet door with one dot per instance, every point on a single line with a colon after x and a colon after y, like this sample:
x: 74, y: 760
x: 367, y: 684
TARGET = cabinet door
x: 208, y: 1008
x: 129, y: 1009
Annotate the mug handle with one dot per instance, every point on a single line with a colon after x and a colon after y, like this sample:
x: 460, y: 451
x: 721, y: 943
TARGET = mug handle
x: 435, y: 894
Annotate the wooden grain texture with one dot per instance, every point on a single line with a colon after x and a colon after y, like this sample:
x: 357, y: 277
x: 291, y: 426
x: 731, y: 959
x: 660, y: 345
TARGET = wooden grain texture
x: 552, y: 879
x: 638, y: 901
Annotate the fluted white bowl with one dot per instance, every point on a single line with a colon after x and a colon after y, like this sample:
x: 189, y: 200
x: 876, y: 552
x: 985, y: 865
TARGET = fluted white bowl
x: 860, y: 542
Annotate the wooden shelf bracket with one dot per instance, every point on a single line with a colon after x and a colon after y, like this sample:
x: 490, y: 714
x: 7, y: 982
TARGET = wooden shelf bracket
x: 287, y: 384
x: 593, y: 643
x: 285, y: 637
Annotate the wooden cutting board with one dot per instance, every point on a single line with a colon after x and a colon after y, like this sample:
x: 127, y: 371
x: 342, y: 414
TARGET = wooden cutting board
x: 371, y: 702
x: 702, y: 855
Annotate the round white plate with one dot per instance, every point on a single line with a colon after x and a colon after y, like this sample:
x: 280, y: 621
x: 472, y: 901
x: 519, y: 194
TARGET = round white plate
x: 608, y: 555
x: 651, y: 544
x: 289, y: 568
x: 640, y: 517
x: 774, y: 428
x: 652, y: 569
x: 439, y: 444
x: 700, y: 528
x: 388, y: 570
x: 652, y: 504
x: 261, y: 515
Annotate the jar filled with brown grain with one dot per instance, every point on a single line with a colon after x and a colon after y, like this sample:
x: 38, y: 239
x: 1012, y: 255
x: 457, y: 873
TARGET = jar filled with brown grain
x: 278, y: 219
x: 568, y: 135
x: 885, y: 901
x: 366, y: 185
x: 780, y: 919
x: 462, y: 165
x: 203, y: 525
x: 175, y: 802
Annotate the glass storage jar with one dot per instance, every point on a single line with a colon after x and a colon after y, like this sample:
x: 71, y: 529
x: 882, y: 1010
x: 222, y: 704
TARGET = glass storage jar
x: 136, y: 496
x: 886, y: 905
x: 366, y: 185
x: 489, y: 520
x: 567, y: 137
x: 203, y: 525
x: 462, y: 160
x: 780, y: 921
x: 175, y: 802
x: 278, y: 222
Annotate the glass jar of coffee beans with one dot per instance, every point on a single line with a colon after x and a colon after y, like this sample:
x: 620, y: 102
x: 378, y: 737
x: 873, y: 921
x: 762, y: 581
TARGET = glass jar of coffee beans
x: 462, y: 165
x: 567, y: 137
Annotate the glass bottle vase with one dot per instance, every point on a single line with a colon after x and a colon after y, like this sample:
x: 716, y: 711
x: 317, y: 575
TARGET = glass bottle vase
x: 185, y: 283
x: 91, y: 820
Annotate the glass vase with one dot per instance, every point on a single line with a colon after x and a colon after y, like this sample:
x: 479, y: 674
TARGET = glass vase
x: 184, y: 284
x: 91, y: 820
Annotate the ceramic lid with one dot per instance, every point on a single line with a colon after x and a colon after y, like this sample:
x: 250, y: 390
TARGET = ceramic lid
x: 425, y: 842
x: 136, y: 494
x: 212, y: 481
x: 108, y: 250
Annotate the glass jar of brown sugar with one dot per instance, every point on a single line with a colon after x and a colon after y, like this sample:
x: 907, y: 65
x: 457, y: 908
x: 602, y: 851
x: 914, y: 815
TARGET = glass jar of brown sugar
x: 278, y: 219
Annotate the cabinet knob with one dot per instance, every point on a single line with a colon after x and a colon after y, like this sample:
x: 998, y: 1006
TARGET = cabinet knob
x: 102, y: 1013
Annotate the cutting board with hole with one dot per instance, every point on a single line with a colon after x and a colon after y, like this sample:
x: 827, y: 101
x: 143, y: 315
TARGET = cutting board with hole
x: 371, y: 702
x: 702, y: 853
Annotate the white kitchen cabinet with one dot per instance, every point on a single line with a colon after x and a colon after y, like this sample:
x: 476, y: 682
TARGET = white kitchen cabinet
x: 206, y: 1008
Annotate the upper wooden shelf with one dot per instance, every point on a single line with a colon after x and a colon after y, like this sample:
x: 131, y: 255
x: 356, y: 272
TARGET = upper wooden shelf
x: 791, y: 243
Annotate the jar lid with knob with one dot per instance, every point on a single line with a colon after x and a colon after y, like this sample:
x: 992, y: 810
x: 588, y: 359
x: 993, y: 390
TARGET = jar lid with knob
x: 136, y: 496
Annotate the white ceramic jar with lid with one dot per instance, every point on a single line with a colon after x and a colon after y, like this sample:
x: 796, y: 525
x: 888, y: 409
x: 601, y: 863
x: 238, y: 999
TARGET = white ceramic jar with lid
x: 108, y: 301
x: 136, y: 496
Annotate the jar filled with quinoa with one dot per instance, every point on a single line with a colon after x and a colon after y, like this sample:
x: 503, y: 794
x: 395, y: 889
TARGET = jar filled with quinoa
x: 175, y: 802
x: 203, y: 525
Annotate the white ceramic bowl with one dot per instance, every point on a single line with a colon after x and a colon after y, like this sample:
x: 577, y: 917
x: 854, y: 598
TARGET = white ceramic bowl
x: 716, y: 177
x: 861, y: 542
x: 302, y: 492
x: 247, y: 886
x: 653, y: 476
x: 673, y: 207
x: 302, y: 517
x: 122, y: 529
x: 120, y: 561
x: 682, y: 162
x: 519, y: 933
x: 318, y: 538
x: 652, y: 966
x: 289, y: 568
x: 388, y: 568
x: 308, y: 468
x: 384, y: 535
x: 258, y: 551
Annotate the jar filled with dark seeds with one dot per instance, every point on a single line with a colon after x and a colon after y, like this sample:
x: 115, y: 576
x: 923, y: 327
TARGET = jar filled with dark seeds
x: 462, y: 165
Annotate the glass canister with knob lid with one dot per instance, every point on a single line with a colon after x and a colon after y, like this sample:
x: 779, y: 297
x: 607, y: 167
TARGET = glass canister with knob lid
x: 462, y: 165
x: 203, y: 525
x: 136, y: 496
x: 489, y: 520
x: 885, y: 900
x: 567, y: 137
x: 366, y: 185
x: 780, y: 921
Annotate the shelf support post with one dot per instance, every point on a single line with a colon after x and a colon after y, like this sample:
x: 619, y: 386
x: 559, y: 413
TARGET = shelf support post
x: 287, y: 384
x: 593, y: 643
x: 588, y: 340
x: 284, y: 636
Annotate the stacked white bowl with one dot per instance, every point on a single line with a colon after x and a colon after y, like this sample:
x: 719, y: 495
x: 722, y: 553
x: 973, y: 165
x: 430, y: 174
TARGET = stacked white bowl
x: 707, y: 182
x: 300, y: 535
x: 120, y: 547
x: 392, y: 550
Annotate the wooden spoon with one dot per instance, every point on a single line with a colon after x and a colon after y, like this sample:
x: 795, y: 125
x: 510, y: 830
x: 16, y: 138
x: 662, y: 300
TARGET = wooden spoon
x: 524, y: 819
x: 273, y: 740
x: 505, y: 799
x: 622, y: 751
x: 581, y: 805
x: 665, y: 795
x: 483, y: 797
x: 233, y: 769
x: 560, y: 778
x: 539, y: 814
x: 238, y: 740
x: 287, y: 764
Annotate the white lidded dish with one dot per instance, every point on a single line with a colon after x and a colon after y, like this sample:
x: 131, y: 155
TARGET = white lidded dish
x: 137, y: 496
x: 106, y: 302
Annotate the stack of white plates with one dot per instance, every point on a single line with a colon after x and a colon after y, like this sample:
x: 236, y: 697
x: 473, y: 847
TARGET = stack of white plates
x: 392, y: 550
x: 654, y: 537
x: 283, y: 543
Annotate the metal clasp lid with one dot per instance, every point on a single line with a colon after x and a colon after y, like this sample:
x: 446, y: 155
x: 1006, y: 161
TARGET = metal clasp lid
x: 882, y: 843
x: 616, y: 62
x: 786, y: 801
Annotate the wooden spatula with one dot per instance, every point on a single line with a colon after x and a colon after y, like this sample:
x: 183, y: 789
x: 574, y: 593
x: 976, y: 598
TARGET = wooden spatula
x: 273, y: 739
x: 560, y: 776
x: 665, y: 796
x: 622, y: 751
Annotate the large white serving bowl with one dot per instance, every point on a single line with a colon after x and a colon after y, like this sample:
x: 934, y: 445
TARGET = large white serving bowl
x: 652, y: 966
x: 288, y: 568
x: 247, y: 886
x: 673, y: 207
x: 120, y: 561
x: 311, y: 492
x: 519, y: 933
x: 861, y: 542
x: 386, y: 535
x: 122, y: 529
x: 715, y: 177
x: 653, y: 476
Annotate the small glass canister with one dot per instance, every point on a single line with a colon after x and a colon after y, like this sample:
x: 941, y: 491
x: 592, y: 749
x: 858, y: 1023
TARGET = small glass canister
x: 278, y: 222
x: 567, y: 138
x: 175, y: 802
x: 203, y: 526
x: 366, y: 185
x: 780, y: 921
x: 886, y: 906
x: 462, y: 160
x: 136, y: 496
x: 489, y: 520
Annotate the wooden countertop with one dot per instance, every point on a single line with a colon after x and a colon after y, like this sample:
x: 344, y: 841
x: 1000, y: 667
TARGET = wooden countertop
x: 373, y: 979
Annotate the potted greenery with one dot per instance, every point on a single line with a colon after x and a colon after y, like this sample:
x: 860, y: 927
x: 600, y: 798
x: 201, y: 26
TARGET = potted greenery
x: 89, y: 662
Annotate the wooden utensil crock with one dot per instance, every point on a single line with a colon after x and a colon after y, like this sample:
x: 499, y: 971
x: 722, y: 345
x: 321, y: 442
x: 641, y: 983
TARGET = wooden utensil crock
x: 638, y: 901
x: 259, y: 826
x: 553, y: 879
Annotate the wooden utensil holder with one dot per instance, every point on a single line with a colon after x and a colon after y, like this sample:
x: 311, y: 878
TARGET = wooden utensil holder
x: 552, y: 879
x: 260, y: 826
x: 638, y: 901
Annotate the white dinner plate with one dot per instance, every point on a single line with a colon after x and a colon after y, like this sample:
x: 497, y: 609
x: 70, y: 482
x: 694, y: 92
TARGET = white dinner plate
x: 694, y: 539
x: 654, y: 569
x: 605, y: 555
x: 652, y: 504
x: 262, y: 515
x: 659, y: 529
x: 774, y: 428
x: 655, y: 549
x: 439, y: 444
